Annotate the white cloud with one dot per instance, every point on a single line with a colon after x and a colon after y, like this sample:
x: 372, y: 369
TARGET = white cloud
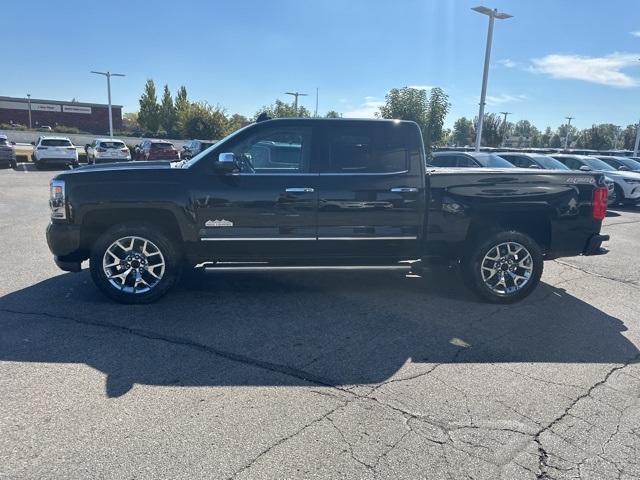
x: 366, y: 109
x: 507, y: 62
x: 494, y: 100
x: 421, y: 87
x: 636, y: 33
x: 602, y: 70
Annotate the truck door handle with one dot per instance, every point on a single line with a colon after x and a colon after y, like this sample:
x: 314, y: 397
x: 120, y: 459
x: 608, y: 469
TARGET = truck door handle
x: 300, y: 190
x: 404, y: 190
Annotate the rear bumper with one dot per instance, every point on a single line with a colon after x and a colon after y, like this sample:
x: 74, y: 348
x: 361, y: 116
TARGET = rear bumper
x: 56, y: 161
x: 594, y: 245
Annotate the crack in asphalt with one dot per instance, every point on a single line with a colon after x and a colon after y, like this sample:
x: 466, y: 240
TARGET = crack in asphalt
x: 598, y: 275
x: 543, y: 455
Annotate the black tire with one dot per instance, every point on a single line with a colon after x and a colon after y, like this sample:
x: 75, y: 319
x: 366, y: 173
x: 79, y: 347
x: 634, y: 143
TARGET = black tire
x: 472, y: 264
x: 619, y: 196
x: 168, y: 249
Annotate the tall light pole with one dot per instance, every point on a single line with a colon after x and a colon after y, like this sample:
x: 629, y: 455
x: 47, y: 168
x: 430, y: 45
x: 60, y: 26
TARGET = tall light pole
x: 492, y: 14
x: 635, y: 147
x: 315, y: 114
x: 29, y: 102
x: 504, y: 123
x: 109, y: 75
x: 296, y: 95
x: 566, y: 138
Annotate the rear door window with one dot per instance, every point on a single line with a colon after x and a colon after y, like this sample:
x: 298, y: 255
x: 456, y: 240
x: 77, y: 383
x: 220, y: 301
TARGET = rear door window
x: 365, y: 150
x: 444, y: 161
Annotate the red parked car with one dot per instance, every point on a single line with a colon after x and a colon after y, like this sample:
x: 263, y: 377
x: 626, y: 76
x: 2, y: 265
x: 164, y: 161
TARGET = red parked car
x: 157, y: 150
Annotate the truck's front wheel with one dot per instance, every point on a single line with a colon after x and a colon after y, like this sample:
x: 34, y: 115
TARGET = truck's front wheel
x: 134, y: 264
x: 504, y: 266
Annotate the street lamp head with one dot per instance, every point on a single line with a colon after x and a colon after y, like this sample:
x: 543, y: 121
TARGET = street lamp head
x: 492, y: 13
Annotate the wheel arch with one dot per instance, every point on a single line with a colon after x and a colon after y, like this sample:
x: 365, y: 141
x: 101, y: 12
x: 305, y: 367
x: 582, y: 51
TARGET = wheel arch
x: 537, y: 225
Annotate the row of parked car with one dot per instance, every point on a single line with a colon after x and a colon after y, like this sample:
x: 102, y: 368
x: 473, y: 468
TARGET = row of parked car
x: 60, y: 151
x: 622, y: 174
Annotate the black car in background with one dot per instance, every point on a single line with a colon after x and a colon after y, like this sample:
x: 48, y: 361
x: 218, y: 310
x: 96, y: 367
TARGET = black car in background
x: 621, y: 163
x: 194, y: 147
x: 7, y: 153
x: 455, y: 159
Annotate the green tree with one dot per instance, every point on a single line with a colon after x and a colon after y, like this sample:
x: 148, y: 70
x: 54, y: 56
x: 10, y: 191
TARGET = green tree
x: 555, y: 141
x: 235, y: 122
x: 280, y: 109
x: 545, y: 138
x: 428, y: 110
x: 463, y: 132
x: 149, y: 114
x: 168, y: 113
x: 628, y: 137
x: 204, y: 121
x: 181, y: 104
x: 333, y: 114
x: 491, y: 131
x: 598, y: 137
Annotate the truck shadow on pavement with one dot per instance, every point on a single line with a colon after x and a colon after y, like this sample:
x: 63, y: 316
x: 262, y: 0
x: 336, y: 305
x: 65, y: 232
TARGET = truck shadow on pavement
x: 340, y: 329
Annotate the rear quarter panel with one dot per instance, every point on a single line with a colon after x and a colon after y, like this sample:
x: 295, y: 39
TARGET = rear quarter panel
x: 555, y: 207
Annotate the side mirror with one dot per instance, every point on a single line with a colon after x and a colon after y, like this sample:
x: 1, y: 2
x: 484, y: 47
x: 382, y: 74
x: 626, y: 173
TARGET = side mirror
x: 13, y: 143
x: 33, y: 143
x: 585, y: 168
x: 226, y: 162
x: 624, y: 168
x: 87, y: 146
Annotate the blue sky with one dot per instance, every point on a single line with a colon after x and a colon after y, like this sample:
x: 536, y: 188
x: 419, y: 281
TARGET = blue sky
x: 553, y: 59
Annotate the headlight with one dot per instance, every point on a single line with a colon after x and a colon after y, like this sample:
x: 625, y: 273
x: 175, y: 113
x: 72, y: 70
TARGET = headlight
x: 632, y: 180
x: 57, y: 200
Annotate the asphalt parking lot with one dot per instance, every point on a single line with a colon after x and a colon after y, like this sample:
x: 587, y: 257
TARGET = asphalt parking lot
x: 331, y: 375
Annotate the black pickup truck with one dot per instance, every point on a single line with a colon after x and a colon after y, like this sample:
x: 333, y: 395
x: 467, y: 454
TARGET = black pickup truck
x: 316, y: 193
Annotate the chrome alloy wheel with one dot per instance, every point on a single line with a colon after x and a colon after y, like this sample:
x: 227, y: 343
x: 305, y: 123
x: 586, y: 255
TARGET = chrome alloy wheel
x: 133, y: 264
x: 507, y: 268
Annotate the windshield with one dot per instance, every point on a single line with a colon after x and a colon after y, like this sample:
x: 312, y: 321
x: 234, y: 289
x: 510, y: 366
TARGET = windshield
x: 549, y: 163
x: 597, y: 164
x: 492, y: 161
x: 112, y: 144
x: 3, y: 141
x: 55, y: 142
x: 162, y: 145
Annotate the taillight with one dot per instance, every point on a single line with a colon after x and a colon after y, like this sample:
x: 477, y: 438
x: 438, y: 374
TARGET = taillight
x: 71, y: 148
x: 42, y: 148
x: 125, y: 149
x: 600, y: 196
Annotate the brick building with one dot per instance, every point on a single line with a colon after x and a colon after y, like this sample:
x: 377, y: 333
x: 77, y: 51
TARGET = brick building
x: 88, y: 117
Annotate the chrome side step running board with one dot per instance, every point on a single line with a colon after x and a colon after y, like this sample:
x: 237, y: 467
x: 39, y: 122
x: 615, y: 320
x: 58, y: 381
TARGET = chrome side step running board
x: 302, y: 268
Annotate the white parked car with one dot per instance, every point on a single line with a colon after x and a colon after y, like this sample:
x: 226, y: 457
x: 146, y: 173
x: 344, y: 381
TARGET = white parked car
x: 104, y: 150
x: 626, y: 184
x: 55, y: 151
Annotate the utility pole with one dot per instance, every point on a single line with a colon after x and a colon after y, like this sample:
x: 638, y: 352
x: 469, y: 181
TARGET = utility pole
x: 29, y: 102
x: 109, y: 75
x: 296, y: 95
x: 504, y: 128
x: 315, y: 114
x: 635, y: 147
x: 492, y: 14
x: 566, y: 138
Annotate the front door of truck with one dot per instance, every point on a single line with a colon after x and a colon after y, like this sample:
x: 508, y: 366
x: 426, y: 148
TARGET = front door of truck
x: 371, y: 190
x: 266, y: 209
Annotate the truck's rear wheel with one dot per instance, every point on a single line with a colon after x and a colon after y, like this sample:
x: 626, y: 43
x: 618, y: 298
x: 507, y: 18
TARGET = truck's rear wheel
x: 134, y: 264
x: 504, y: 266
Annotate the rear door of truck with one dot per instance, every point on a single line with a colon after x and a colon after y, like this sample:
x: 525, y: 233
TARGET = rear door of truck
x: 371, y: 189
